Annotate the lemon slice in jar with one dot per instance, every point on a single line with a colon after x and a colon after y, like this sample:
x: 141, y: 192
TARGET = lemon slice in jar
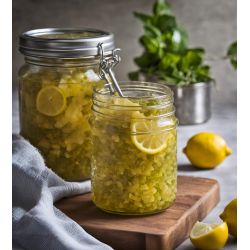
x: 149, y: 141
x: 50, y: 101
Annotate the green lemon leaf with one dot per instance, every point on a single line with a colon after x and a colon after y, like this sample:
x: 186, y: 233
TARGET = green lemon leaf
x: 162, y: 7
x: 143, y: 19
x: 134, y: 76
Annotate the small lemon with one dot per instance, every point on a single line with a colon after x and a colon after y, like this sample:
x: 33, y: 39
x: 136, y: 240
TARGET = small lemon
x: 209, y: 236
x: 230, y: 217
x: 206, y: 150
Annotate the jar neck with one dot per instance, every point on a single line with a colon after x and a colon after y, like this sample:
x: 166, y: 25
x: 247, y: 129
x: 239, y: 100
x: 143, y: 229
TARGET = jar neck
x: 141, y: 100
x: 64, y: 62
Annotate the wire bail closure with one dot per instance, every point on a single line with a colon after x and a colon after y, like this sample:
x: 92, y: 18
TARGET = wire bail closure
x: 106, y: 65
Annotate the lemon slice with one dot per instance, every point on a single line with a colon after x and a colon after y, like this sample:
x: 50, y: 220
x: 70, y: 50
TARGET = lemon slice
x: 150, y: 142
x: 209, y: 236
x: 50, y: 101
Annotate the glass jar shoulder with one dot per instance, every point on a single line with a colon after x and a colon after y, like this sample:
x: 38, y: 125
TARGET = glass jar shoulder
x: 58, y: 75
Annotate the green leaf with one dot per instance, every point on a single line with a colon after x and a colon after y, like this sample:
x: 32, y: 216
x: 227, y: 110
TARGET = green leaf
x: 232, y: 50
x: 181, y: 83
x: 146, y: 60
x: 169, y: 60
x: 162, y: 7
x: 192, y: 58
x: 234, y: 63
x: 232, y: 53
x: 165, y: 23
x: 179, y: 39
x: 178, y: 74
x: 204, y: 69
x: 170, y: 79
x: 151, y: 44
x: 152, y: 31
x: 143, y: 19
x: 134, y: 76
x: 200, y: 51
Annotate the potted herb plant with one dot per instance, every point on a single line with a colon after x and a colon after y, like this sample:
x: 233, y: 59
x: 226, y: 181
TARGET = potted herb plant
x: 168, y: 60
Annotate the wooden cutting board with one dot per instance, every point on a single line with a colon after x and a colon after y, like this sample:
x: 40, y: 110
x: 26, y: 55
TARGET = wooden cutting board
x: 195, y: 199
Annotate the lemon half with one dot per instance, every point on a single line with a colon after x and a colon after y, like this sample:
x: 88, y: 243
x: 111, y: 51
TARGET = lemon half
x: 50, y: 101
x: 149, y: 141
x: 209, y: 236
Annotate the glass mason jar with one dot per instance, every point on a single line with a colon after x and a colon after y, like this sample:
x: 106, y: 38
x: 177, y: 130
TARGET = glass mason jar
x: 55, y: 94
x: 134, y: 151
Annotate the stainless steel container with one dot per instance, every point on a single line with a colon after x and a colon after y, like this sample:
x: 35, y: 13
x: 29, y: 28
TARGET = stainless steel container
x: 192, y: 103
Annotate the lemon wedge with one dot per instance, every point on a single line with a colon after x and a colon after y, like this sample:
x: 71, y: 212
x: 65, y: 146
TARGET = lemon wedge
x: 209, y: 236
x: 149, y: 141
x: 50, y: 101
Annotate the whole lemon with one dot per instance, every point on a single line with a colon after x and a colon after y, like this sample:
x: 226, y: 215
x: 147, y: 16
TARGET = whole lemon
x: 230, y: 217
x: 206, y: 150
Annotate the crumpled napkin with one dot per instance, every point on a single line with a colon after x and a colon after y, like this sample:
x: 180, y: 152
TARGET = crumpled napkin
x: 36, y: 223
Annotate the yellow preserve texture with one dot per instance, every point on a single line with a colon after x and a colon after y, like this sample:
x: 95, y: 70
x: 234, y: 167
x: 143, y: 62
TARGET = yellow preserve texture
x: 125, y: 179
x: 64, y: 138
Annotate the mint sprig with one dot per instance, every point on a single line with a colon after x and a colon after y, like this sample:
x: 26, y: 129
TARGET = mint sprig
x: 166, y: 54
x: 232, y: 54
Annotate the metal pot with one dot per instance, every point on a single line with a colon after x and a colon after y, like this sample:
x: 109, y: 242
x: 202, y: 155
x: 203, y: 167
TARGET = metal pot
x: 192, y: 102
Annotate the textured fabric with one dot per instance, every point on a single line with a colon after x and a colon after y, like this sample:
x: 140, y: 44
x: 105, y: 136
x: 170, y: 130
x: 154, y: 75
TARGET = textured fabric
x: 36, y: 223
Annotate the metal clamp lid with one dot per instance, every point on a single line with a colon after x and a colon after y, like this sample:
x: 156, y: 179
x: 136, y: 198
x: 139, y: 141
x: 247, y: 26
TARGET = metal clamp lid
x: 106, y: 64
x: 65, y: 42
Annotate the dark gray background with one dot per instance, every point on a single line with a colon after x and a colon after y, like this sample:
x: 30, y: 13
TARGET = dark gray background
x: 210, y: 24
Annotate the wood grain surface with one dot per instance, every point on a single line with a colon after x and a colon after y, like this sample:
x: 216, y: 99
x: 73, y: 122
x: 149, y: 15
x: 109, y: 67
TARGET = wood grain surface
x: 195, y: 199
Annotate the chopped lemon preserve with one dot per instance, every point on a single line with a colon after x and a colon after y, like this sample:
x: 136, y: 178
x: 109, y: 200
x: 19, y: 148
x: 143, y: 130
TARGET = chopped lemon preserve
x: 55, y: 105
x: 134, y: 151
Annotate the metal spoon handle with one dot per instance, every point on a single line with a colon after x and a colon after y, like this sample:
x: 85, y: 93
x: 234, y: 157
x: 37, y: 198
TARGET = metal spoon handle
x: 115, y: 82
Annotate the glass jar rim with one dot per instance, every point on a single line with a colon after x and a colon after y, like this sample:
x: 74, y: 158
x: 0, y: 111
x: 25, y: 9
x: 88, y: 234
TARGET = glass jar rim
x: 134, y: 85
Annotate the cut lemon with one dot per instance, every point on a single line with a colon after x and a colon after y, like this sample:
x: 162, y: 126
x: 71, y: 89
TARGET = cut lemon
x: 209, y: 236
x: 50, y: 101
x: 148, y: 140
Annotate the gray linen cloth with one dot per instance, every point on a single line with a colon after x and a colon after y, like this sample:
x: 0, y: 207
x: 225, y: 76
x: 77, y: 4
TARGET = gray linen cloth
x: 36, y: 223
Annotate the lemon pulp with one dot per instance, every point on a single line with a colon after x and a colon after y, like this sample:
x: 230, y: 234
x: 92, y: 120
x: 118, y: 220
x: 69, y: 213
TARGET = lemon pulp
x: 50, y: 101
x: 150, y: 142
x: 209, y: 236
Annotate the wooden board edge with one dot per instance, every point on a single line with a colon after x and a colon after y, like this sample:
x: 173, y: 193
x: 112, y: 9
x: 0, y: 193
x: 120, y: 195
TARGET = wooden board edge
x: 188, y: 219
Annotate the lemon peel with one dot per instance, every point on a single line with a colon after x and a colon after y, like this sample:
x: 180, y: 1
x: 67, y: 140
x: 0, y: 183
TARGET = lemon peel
x: 209, y: 236
x: 229, y: 216
x: 206, y: 150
